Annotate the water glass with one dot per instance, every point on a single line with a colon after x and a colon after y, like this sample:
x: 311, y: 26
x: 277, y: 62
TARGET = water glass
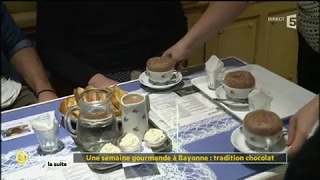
x: 48, y: 139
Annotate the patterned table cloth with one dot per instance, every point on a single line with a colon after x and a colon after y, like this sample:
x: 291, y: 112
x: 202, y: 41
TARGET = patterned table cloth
x: 209, y: 135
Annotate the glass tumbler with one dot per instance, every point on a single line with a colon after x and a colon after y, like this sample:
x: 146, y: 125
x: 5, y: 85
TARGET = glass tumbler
x: 48, y: 138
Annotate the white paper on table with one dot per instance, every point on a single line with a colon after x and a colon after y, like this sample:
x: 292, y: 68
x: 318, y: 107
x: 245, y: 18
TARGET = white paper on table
x: 22, y: 126
x: 73, y: 171
x: 183, y: 109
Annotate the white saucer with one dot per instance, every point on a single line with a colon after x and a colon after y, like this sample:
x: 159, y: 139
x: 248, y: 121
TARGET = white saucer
x: 144, y: 80
x: 238, y: 141
x: 221, y: 94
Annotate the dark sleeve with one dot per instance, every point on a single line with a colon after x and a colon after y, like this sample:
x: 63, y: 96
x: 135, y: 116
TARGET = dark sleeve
x: 12, y: 38
x: 52, y: 44
x: 306, y: 163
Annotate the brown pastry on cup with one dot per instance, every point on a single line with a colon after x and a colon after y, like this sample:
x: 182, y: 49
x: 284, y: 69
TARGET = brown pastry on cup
x: 239, y: 80
x: 160, y: 69
x: 160, y: 64
x: 263, y: 123
x: 262, y: 128
x: 238, y: 84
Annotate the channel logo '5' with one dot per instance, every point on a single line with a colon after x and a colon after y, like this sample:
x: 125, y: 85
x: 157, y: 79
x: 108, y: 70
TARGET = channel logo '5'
x: 292, y: 21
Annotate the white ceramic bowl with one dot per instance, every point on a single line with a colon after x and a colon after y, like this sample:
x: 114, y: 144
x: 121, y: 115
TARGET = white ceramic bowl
x: 262, y: 142
x: 235, y: 93
x: 160, y: 77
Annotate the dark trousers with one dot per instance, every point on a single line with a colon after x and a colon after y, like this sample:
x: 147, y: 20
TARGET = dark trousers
x: 308, y: 67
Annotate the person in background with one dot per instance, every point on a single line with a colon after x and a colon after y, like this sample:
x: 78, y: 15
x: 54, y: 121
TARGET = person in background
x: 102, y: 43
x: 215, y: 18
x: 19, y: 59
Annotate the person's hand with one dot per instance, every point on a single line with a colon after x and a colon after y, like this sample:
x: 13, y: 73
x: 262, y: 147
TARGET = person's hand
x: 46, y: 96
x: 179, y: 53
x: 301, y: 125
x: 99, y: 80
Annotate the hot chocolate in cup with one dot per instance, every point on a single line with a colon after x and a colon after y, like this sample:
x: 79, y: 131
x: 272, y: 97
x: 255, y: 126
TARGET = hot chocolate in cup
x: 262, y: 129
x: 160, y: 69
x: 132, y: 99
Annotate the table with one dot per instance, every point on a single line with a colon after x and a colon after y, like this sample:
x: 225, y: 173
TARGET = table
x: 209, y: 135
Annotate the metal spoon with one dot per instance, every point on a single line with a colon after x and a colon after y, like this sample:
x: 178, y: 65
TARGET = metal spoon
x: 243, y: 101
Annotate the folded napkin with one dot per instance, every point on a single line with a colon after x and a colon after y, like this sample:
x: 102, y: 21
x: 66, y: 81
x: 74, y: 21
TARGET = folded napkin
x: 214, y: 64
x: 44, y: 122
x: 259, y: 99
x: 214, y: 67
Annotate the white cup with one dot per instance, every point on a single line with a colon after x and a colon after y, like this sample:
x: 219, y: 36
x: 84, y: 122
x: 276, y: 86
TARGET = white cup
x: 235, y: 93
x: 160, y: 77
x: 261, y: 142
x: 135, y: 115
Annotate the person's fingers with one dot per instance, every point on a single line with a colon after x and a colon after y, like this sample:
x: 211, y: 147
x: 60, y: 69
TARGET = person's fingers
x: 167, y: 53
x: 180, y: 65
x: 298, y: 141
x: 292, y: 130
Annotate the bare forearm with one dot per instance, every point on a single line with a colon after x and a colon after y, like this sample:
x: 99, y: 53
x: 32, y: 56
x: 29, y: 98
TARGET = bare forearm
x: 28, y: 64
x: 218, y: 15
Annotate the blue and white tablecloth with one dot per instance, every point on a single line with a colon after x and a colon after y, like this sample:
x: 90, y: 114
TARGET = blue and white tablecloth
x: 209, y: 135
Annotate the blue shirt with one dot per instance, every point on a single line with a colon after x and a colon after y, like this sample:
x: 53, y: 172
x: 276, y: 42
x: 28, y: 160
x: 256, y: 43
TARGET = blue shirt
x: 12, y: 41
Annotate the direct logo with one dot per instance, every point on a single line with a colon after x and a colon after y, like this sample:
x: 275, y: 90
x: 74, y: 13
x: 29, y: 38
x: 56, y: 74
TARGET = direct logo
x: 292, y: 21
x: 22, y: 157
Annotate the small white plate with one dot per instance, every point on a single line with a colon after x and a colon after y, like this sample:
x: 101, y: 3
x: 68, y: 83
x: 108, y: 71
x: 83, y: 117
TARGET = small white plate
x: 238, y: 141
x: 144, y: 80
x: 221, y: 94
